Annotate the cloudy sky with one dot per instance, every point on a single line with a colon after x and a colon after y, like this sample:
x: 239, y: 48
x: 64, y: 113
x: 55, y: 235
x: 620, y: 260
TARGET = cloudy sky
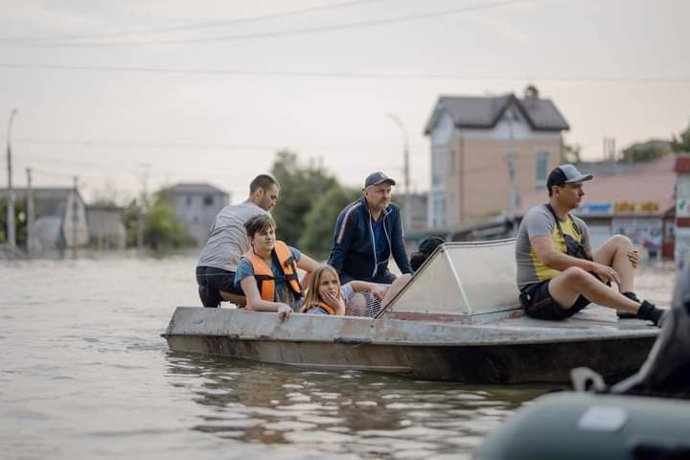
x: 132, y: 93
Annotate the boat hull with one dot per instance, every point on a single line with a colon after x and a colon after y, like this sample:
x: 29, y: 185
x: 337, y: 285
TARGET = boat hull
x: 483, y: 354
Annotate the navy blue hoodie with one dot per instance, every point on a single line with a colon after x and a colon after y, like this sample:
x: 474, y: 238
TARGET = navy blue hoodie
x: 354, y: 254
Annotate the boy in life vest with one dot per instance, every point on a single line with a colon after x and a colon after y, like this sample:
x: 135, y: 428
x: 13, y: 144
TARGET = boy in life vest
x: 267, y: 273
x: 325, y: 296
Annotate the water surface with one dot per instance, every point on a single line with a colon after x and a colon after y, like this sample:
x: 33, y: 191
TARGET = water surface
x: 85, y: 374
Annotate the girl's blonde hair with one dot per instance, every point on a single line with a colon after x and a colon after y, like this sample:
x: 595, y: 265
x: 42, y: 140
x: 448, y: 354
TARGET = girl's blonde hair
x: 312, y: 295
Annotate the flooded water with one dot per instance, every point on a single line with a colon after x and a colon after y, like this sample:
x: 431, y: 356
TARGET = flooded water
x: 85, y: 374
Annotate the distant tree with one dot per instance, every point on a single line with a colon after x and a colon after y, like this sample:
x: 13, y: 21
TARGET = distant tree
x: 161, y: 228
x: 571, y: 153
x: 20, y: 222
x: 130, y: 218
x: 682, y: 142
x: 645, y: 151
x: 301, y: 187
x: 317, y: 238
x: 108, y: 195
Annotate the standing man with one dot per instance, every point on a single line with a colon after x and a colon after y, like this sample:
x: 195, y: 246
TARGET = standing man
x: 215, y: 271
x: 557, y: 272
x: 367, y: 232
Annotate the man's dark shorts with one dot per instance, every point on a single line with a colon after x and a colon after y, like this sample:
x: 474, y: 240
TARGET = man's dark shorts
x: 537, y: 303
x: 210, y: 281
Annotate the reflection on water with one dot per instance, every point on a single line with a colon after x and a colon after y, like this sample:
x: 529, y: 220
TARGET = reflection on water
x: 85, y: 374
x: 341, y: 413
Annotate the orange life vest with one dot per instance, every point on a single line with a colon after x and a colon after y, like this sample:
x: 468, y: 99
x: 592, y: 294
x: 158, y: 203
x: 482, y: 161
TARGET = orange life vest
x: 265, y: 279
x: 325, y: 306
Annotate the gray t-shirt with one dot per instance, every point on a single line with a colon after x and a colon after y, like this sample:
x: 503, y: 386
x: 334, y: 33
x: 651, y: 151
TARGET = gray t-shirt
x: 539, y: 221
x: 228, y: 239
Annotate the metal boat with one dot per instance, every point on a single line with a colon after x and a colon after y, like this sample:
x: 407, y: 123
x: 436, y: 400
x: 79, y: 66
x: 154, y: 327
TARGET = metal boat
x: 457, y: 320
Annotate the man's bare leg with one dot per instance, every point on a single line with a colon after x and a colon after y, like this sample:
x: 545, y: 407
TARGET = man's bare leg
x: 566, y: 287
x: 614, y: 253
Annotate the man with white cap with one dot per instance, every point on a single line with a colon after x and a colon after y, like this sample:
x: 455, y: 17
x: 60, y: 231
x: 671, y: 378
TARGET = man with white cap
x: 558, y: 274
x: 367, y: 233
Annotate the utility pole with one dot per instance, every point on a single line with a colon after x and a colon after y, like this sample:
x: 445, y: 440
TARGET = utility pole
x: 142, y: 202
x: 75, y: 218
x: 11, y: 227
x: 512, y: 166
x: 31, y: 218
x: 406, y: 167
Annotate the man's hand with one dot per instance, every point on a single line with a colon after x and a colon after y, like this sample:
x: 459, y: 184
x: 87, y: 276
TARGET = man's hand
x: 634, y: 257
x: 284, y: 311
x: 606, y: 273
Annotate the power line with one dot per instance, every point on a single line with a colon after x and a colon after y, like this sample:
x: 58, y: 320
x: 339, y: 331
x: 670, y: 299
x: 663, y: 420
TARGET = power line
x: 308, y: 30
x: 202, y: 25
x: 139, y: 144
x: 347, y: 75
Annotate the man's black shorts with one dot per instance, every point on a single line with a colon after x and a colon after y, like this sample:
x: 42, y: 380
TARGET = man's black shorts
x: 210, y: 281
x: 537, y: 303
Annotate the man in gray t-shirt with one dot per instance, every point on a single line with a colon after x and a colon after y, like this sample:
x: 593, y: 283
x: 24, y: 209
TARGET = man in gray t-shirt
x: 215, y: 271
x: 558, y: 274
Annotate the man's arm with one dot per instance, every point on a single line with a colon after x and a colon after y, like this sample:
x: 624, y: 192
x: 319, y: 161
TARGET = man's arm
x: 399, y: 252
x: 548, y: 255
x: 342, y: 237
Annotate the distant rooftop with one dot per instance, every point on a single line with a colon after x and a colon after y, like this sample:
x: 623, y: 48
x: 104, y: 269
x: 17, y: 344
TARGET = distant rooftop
x: 201, y: 188
x: 486, y: 112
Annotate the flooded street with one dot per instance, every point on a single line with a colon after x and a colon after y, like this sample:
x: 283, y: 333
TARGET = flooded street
x: 85, y: 374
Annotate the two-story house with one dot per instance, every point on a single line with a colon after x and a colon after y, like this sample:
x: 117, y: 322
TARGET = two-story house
x: 474, y: 142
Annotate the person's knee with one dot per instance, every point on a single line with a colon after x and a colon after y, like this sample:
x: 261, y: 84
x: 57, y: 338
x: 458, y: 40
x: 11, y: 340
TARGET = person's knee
x: 577, y: 277
x: 621, y: 241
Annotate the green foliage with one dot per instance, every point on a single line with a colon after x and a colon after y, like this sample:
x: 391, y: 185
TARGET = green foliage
x: 130, y: 221
x: 682, y: 142
x: 300, y: 187
x: 317, y: 238
x: 20, y: 222
x: 162, y: 230
x: 645, y: 151
x: 571, y: 153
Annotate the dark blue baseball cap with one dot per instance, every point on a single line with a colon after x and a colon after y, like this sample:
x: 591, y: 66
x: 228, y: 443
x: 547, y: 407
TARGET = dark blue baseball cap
x: 378, y: 178
x: 566, y: 174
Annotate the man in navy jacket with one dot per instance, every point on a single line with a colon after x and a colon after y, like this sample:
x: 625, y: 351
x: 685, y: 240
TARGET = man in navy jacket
x: 367, y: 232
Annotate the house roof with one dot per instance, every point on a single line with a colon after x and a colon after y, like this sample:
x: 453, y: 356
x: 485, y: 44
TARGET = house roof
x: 204, y: 188
x: 486, y: 112
x: 652, y: 181
x: 47, y: 193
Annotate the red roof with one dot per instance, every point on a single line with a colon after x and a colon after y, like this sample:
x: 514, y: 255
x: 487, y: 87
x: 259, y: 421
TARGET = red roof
x: 647, y: 182
x: 682, y: 165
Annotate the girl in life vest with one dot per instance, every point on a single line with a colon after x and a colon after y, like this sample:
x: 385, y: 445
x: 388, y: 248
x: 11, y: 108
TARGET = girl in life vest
x: 326, y: 296
x: 267, y: 273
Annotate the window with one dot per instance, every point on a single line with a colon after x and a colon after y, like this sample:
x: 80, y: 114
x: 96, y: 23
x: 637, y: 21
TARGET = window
x: 208, y: 200
x: 542, y: 168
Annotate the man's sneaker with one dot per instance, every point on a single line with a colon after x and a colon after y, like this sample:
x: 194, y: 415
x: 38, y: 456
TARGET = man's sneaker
x: 624, y: 314
x: 649, y: 312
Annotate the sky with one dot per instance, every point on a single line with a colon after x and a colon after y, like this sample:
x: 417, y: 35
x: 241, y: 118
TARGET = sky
x: 138, y: 94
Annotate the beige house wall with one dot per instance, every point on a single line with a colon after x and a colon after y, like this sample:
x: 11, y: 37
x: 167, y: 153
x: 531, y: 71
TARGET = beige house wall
x: 477, y: 175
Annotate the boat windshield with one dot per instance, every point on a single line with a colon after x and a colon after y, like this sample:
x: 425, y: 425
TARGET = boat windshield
x: 463, y: 278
